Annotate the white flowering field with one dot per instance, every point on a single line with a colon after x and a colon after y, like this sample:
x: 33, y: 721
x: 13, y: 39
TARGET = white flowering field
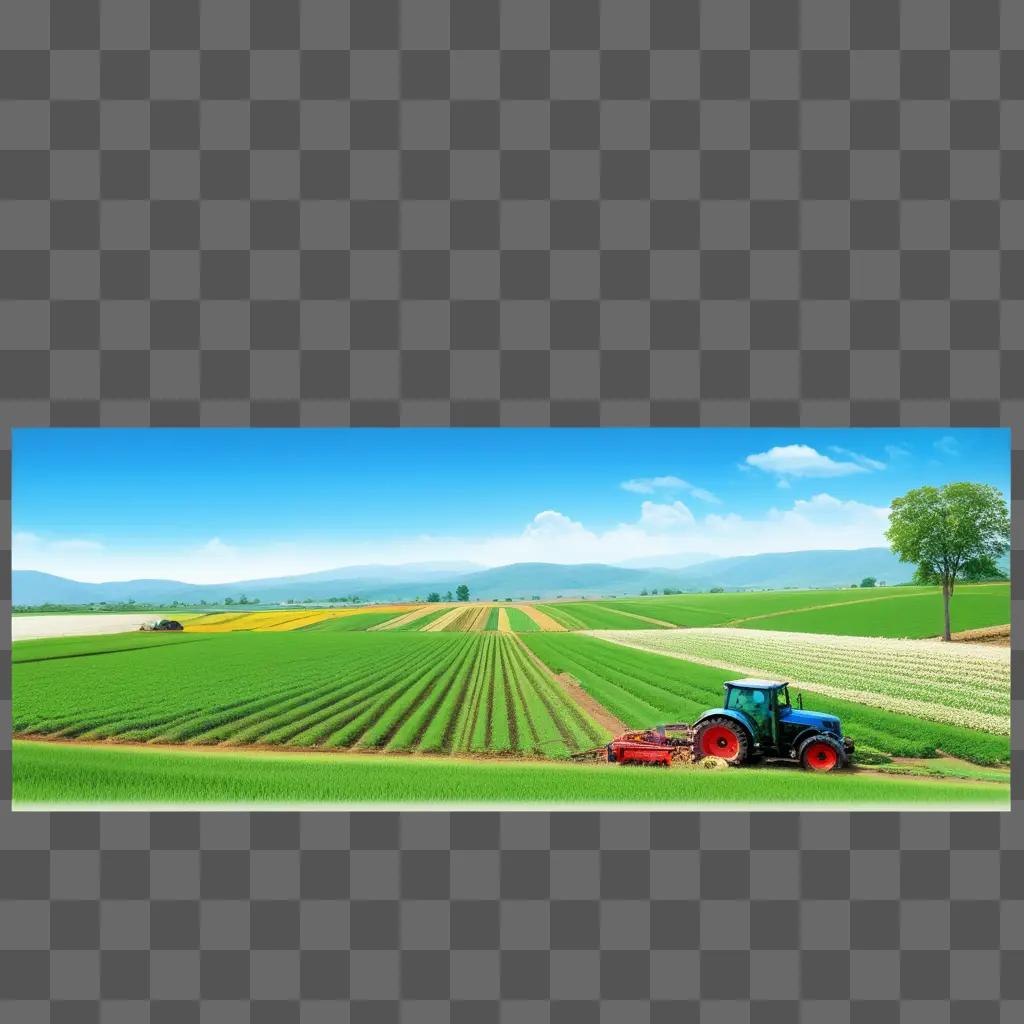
x: 959, y: 684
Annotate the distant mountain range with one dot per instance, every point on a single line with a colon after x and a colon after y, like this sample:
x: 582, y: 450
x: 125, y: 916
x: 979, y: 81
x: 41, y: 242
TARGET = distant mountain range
x: 520, y: 580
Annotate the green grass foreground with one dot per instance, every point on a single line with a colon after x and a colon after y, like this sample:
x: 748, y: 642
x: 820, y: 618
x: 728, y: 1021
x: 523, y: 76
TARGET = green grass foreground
x: 48, y: 773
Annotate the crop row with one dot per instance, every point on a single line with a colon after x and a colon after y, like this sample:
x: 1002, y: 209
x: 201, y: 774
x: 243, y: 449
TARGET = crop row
x: 955, y: 683
x: 644, y: 688
x: 443, y: 693
x: 520, y: 622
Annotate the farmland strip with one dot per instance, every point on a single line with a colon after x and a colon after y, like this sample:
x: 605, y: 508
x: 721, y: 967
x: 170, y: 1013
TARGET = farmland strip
x: 543, y: 619
x: 441, y: 623
x: 403, y: 620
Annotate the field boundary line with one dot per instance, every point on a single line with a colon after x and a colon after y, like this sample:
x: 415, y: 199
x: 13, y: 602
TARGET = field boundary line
x: 819, y: 607
x: 592, y: 707
x: 637, y: 615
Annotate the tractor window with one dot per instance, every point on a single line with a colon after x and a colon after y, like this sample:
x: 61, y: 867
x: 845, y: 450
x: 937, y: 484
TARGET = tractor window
x: 752, y: 702
x: 782, y: 697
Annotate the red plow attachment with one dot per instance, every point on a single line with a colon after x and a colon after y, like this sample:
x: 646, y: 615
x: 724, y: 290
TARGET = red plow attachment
x: 657, y: 747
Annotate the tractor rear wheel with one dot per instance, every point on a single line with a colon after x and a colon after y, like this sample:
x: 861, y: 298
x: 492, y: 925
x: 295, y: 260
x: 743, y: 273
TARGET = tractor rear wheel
x: 721, y: 737
x: 822, y: 753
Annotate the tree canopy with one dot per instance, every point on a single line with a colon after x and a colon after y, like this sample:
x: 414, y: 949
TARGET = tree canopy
x: 953, y: 533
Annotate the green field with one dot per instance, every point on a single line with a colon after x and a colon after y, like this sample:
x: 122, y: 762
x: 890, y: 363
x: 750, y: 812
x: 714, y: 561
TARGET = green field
x: 588, y: 615
x: 520, y: 621
x: 885, y: 611
x: 110, y: 643
x: 47, y: 773
x: 407, y: 692
x: 333, y: 686
x: 643, y: 689
x: 915, y: 615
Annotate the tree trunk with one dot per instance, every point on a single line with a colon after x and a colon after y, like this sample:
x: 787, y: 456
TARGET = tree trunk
x: 945, y: 611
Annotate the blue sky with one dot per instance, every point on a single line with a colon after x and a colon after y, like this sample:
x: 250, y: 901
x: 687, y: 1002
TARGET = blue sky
x: 217, y: 505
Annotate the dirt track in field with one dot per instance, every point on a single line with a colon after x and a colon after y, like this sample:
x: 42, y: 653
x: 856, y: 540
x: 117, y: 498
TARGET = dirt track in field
x: 636, y: 615
x: 504, y: 626
x: 994, y: 636
x: 597, y: 711
x: 542, y: 619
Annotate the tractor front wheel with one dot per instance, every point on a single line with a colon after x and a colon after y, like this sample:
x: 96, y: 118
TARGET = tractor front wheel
x: 721, y: 737
x: 822, y: 754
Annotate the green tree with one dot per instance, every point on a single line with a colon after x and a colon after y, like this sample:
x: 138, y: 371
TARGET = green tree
x: 643, y: 593
x: 868, y: 581
x: 717, y: 590
x: 433, y: 597
x: 229, y: 600
x: 448, y: 596
x: 462, y: 592
x: 953, y: 533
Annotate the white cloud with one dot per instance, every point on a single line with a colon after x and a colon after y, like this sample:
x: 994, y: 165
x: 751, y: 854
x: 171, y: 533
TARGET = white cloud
x: 896, y: 451
x: 552, y: 525
x: 651, y: 485
x: 658, y: 518
x: 801, y: 460
x: 820, y: 522
x: 948, y: 446
x: 76, y: 544
x: 861, y: 460
x: 24, y: 541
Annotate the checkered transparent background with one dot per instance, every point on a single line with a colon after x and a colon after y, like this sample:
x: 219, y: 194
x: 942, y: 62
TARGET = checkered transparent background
x: 372, y: 212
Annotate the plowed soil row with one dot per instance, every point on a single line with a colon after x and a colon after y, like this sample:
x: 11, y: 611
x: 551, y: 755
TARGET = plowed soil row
x: 542, y: 619
x: 416, y: 613
x: 597, y: 711
x: 442, y: 622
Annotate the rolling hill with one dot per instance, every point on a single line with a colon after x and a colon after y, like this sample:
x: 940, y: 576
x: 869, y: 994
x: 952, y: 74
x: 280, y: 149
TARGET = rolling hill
x: 804, y: 569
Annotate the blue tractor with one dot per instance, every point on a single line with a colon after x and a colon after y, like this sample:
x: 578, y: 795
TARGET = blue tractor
x: 757, y: 720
